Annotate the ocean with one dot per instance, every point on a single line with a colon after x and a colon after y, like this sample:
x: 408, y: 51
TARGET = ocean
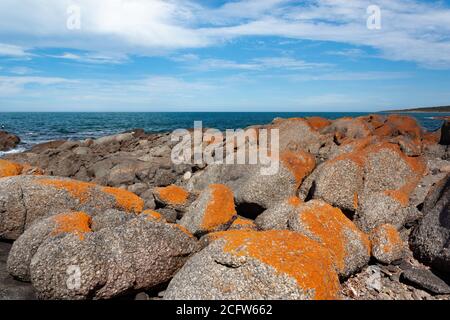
x: 34, y: 128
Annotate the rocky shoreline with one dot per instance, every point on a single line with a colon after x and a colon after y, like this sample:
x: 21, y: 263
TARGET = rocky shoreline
x: 359, y: 209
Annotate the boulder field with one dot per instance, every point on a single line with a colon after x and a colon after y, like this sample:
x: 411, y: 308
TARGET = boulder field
x: 358, y: 209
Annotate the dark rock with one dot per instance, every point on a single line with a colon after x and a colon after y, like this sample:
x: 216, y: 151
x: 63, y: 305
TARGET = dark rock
x: 445, y: 134
x: 425, y: 279
x: 11, y: 289
x: 429, y: 240
x: 8, y: 141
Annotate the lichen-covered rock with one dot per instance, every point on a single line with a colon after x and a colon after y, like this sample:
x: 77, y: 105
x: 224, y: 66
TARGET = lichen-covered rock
x: 277, y: 216
x: 349, y: 129
x: 214, y: 210
x: 10, y: 169
x: 243, y: 224
x: 338, y: 183
x: 254, y: 265
x: 266, y: 190
x: 297, y: 134
x: 368, y: 177
x: 387, y: 245
x: 138, y: 255
x: 429, y: 241
x: 327, y: 225
x: 27, y: 244
x: 173, y: 197
x: 26, y: 198
x: 379, y: 208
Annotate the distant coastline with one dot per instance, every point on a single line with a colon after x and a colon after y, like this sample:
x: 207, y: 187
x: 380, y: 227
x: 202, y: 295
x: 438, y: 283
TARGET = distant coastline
x: 442, y: 109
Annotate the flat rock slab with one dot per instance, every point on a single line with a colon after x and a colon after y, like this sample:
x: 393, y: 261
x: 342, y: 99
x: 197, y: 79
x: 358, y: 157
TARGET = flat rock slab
x: 425, y: 279
x: 11, y: 289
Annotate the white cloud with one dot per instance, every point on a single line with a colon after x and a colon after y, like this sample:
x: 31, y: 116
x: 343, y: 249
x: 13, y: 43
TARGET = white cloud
x: 411, y: 30
x: 12, y: 85
x: 8, y: 50
x: 257, y: 64
x: 93, y: 58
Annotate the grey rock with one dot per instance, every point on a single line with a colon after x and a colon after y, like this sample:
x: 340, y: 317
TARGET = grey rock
x: 27, y: 198
x: 277, y: 216
x: 135, y: 256
x: 426, y: 280
x: 109, y: 219
x: 429, y: 241
x: 378, y: 208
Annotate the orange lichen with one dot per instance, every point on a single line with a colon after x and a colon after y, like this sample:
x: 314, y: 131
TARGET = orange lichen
x: 153, y: 215
x: 300, y: 163
x: 387, y: 238
x: 78, y: 189
x: 126, y: 199
x: 431, y: 137
x: 9, y: 169
x: 172, y: 194
x: 243, y: 224
x: 295, y: 201
x: 77, y: 223
x: 220, y: 209
x: 328, y: 226
x: 288, y: 253
x: 355, y: 200
x: 183, y: 229
x: 405, y: 125
x: 318, y: 123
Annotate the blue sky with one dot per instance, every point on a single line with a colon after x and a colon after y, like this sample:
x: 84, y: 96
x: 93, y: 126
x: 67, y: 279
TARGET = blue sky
x: 241, y: 55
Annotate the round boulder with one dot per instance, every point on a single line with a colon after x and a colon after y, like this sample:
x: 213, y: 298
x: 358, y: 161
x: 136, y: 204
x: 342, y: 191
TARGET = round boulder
x: 254, y: 265
x: 387, y: 245
x: 327, y: 225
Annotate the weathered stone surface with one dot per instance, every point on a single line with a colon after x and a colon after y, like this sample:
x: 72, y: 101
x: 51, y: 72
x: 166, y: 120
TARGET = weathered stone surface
x: 319, y: 221
x: 430, y: 239
x: 277, y: 216
x: 257, y: 265
x: 266, y: 190
x: 214, y: 210
x: 373, y: 179
x: 298, y: 134
x: 8, y: 141
x: 11, y: 289
x: 425, y: 279
x: 445, y: 134
x: 135, y: 256
x: 27, y: 244
x: 109, y: 219
x: 387, y: 245
x: 26, y: 198
x: 379, y: 208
